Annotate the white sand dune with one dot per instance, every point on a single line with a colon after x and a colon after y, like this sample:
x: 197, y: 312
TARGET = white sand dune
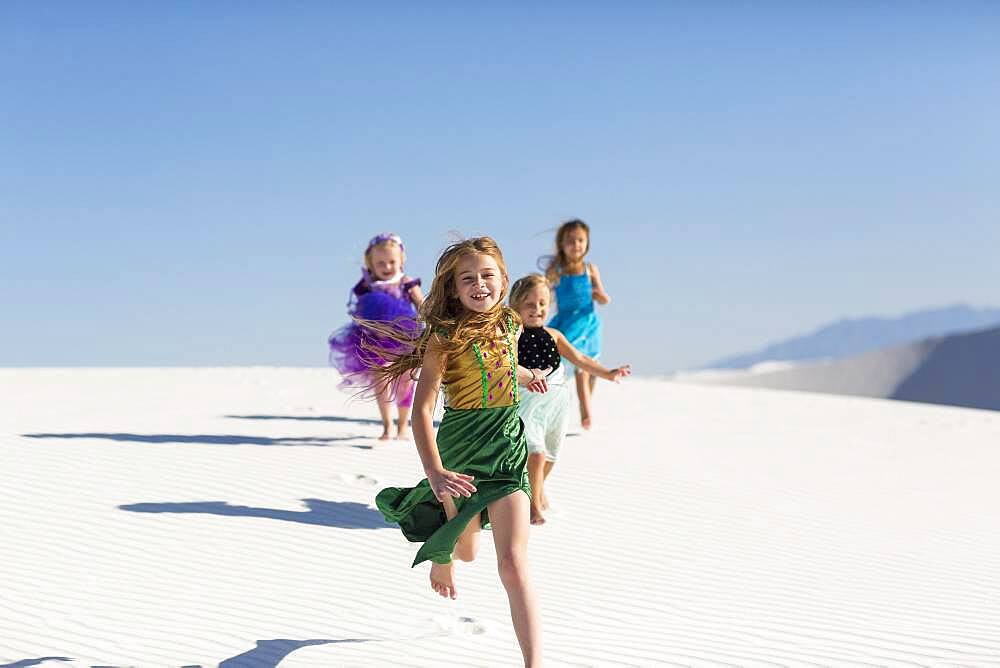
x: 957, y: 370
x: 182, y: 517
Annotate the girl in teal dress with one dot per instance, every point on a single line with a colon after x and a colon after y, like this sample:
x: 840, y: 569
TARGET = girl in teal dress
x: 577, y: 286
x: 475, y: 464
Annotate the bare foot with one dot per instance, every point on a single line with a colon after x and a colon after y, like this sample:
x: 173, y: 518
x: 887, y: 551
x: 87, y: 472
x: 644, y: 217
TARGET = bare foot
x: 585, y: 422
x: 403, y: 435
x: 441, y: 579
x: 385, y: 435
x: 537, y: 517
x: 545, y: 501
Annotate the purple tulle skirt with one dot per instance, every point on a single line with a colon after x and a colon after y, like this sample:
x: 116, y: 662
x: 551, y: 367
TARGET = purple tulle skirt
x: 354, y: 361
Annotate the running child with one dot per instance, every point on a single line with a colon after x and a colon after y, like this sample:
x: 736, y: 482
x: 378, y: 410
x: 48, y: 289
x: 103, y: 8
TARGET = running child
x: 475, y: 465
x: 384, y: 294
x: 577, y: 286
x: 546, y: 415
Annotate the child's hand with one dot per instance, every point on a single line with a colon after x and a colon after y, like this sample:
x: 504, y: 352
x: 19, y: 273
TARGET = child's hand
x: 538, y: 382
x: 616, y: 375
x: 446, y: 483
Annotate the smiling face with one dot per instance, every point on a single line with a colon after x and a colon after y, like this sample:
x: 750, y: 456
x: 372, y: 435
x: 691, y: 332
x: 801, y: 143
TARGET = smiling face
x: 534, y: 306
x: 479, y: 283
x: 385, y: 261
x: 574, y: 244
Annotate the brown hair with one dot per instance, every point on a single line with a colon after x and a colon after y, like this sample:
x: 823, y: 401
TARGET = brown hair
x: 559, y: 261
x: 452, y: 326
x: 523, y: 286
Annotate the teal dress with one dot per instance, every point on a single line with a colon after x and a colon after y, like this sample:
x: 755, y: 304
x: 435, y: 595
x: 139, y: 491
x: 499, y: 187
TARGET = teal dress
x: 576, y: 318
x: 480, y: 435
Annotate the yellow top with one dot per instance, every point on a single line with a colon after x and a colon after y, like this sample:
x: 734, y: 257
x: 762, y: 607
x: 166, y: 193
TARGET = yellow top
x: 482, y: 376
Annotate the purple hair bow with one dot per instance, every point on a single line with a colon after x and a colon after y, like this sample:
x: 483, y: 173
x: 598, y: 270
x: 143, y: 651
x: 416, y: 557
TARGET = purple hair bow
x: 386, y: 236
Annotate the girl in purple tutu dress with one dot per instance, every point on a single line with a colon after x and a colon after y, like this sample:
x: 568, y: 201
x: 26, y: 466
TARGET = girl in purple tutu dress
x: 384, y: 294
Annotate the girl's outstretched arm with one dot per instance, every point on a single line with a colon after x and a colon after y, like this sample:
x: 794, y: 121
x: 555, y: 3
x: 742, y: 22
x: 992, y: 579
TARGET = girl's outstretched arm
x: 444, y: 483
x: 569, y: 351
x: 598, y: 293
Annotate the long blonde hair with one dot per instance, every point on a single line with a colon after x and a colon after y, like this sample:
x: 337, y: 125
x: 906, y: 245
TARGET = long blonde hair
x: 558, y: 262
x: 443, y: 316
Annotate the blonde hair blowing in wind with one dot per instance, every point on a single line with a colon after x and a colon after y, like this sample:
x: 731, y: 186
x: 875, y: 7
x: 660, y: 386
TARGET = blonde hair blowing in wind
x: 443, y: 316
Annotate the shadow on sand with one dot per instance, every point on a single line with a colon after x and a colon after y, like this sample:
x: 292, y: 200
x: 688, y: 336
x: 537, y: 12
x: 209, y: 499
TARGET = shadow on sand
x: 307, y: 418
x: 339, y: 514
x: 269, y: 653
x: 313, y: 418
x: 216, y: 439
x: 24, y: 663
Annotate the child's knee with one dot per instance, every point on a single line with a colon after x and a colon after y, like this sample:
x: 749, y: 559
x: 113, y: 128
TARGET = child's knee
x: 512, y: 564
x: 466, y: 548
x: 465, y: 552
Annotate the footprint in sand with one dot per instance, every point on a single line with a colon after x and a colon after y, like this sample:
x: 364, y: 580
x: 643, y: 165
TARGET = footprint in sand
x: 458, y: 625
x: 358, y: 480
x: 471, y: 626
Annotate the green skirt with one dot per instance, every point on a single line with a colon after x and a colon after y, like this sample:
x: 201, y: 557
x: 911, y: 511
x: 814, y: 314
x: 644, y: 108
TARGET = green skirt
x: 486, y: 443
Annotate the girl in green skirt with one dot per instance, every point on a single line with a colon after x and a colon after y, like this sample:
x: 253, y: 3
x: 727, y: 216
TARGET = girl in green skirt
x: 476, y: 465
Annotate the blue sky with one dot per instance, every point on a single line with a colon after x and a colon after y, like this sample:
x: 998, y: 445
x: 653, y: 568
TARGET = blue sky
x: 193, y: 183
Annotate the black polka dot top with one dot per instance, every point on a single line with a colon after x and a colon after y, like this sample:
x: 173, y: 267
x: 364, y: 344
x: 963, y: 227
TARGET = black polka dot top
x: 536, y: 349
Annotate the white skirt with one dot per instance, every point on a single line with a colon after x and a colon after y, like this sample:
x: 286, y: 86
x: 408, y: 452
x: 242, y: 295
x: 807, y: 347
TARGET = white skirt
x: 546, y: 416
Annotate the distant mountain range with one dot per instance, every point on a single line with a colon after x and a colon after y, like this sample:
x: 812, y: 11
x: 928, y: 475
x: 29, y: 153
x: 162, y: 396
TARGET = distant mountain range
x: 846, y: 338
x: 958, y: 370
